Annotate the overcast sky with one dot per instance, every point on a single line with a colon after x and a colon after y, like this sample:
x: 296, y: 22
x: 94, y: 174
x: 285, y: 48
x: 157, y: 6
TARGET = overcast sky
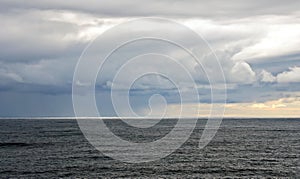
x: 257, y: 43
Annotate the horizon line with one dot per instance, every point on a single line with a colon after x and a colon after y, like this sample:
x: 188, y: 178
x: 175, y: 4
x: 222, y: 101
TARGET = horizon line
x: 113, y: 117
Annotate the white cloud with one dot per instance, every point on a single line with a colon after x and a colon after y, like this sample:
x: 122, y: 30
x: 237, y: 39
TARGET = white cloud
x: 267, y: 77
x: 281, y: 38
x: 242, y: 72
x: 291, y: 76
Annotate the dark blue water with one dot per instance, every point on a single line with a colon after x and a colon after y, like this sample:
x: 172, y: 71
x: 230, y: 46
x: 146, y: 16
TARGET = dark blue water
x: 241, y: 148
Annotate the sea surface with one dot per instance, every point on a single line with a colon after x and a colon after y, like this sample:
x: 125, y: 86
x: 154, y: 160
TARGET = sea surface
x: 56, y: 148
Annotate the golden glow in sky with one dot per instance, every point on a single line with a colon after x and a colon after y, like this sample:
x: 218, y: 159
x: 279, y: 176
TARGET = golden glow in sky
x: 284, y: 107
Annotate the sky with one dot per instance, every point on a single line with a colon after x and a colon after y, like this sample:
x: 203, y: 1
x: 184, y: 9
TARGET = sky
x: 256, y: 42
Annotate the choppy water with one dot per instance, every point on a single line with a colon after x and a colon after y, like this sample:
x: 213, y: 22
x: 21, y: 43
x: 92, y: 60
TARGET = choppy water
x: 241, y: 148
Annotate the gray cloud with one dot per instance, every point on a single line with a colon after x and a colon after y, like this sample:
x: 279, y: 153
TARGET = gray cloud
x: 208, y: 9
x: 29, y: 36
x: 41, y: 41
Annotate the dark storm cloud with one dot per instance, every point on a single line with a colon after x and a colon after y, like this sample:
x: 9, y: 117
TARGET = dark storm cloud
x: 34, y: 104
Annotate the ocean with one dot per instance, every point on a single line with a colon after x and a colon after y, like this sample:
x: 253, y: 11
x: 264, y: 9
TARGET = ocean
x: 56, y: 148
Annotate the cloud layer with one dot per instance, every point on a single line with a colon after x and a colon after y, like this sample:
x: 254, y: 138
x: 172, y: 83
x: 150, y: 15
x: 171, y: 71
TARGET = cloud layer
x: 41, y: 41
